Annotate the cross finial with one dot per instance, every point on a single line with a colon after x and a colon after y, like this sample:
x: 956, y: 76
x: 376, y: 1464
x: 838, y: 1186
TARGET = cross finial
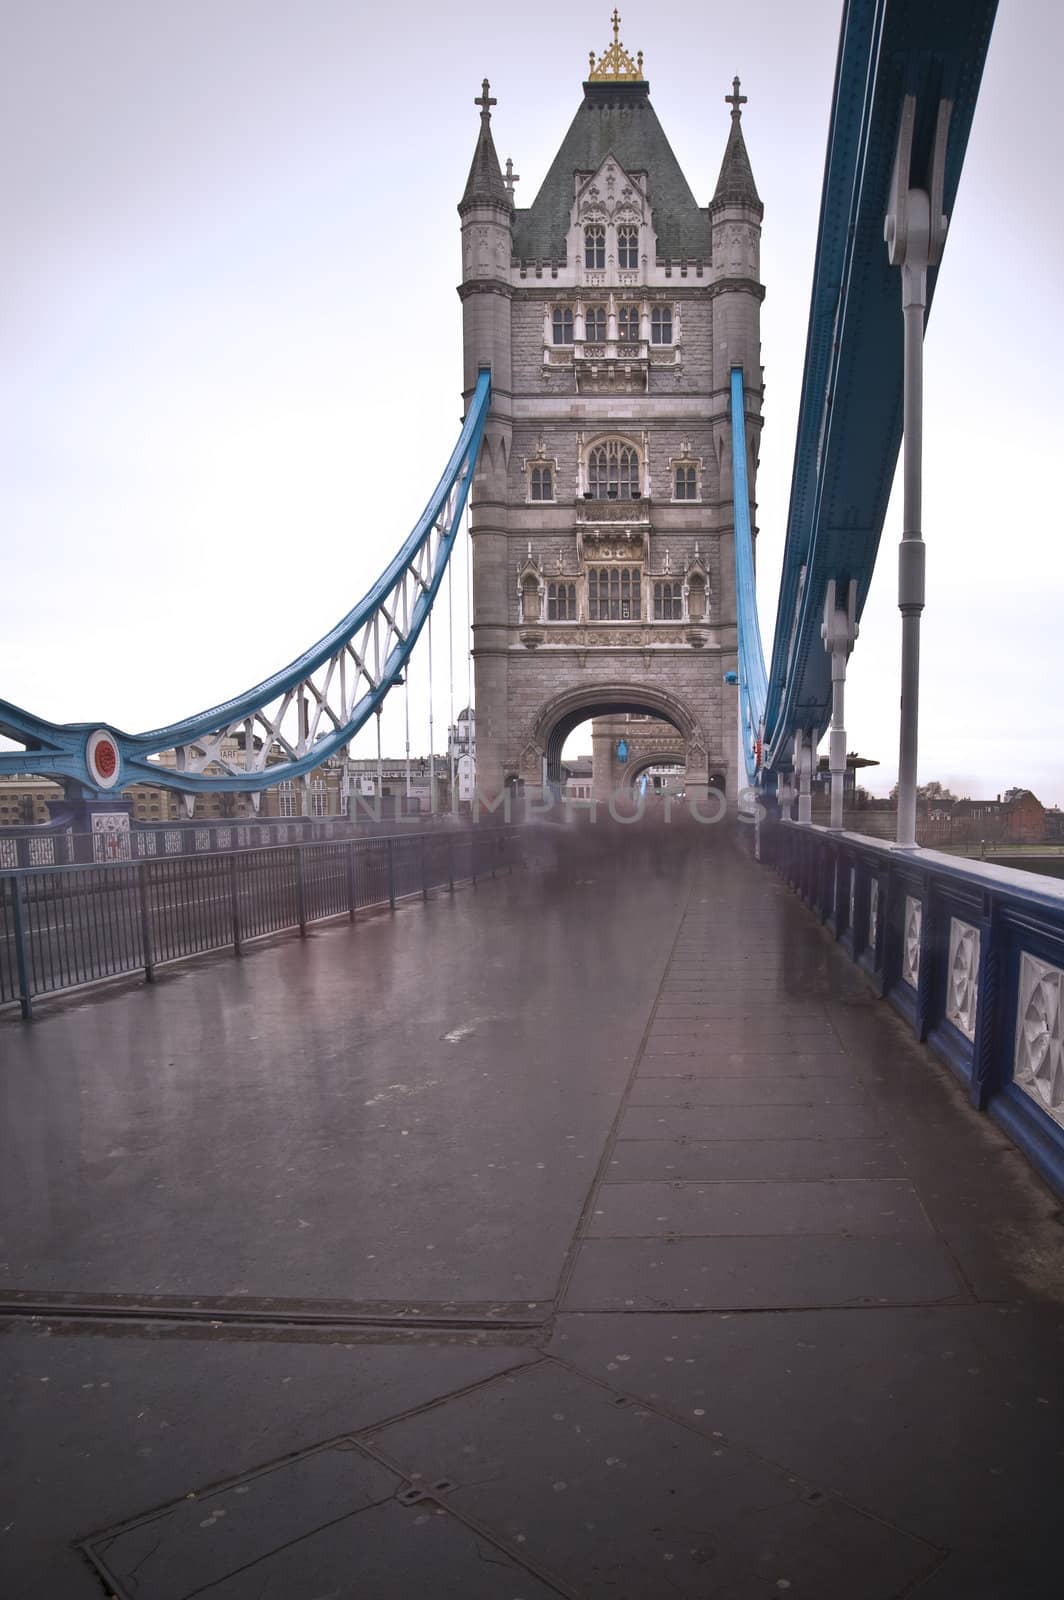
x: 485, y: 101
x: 616, y: 20
x: 511, y: 177
x: 735, y: 99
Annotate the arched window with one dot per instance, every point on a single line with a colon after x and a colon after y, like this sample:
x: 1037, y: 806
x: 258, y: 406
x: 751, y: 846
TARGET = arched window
x: 561, y: 602
x: 668, y: 602
x: 595, y: 246
x: 628, y: 247
x: 686, y: 482
x: 613, y: 594
x: 563, y: 325
x: 628, y: 322
x: 613, y: 471
x: 595, y: 322
x: 542, y: 483
x: 661, y: 325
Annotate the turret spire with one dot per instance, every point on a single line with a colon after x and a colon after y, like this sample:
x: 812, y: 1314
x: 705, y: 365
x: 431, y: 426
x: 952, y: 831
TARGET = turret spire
x: 735, y: 185
x: 485, y: 181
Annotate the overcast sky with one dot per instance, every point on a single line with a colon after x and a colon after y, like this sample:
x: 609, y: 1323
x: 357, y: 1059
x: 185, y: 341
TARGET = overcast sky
x: 231, y: 343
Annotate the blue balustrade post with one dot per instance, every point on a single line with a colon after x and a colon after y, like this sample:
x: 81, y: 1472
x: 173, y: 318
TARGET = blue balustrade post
x: 234, y: 904
x: 22, y: 966
x: 145, y: 921
x: 301, y: 892
x: 352, y: 887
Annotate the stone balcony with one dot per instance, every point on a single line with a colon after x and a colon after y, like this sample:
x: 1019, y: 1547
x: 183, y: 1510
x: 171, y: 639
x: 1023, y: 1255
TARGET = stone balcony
x: 616, y: 366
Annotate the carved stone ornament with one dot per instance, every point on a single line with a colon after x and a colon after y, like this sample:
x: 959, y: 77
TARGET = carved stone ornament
x: 910, y: 947
x: 1038, y: 1067
x: 962, y: 993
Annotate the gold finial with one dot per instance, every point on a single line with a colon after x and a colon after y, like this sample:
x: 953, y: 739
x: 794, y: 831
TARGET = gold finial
x: 616, y: 65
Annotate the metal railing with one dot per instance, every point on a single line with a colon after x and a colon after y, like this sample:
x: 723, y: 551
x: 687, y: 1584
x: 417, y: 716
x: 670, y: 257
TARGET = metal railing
x: 66, y: 927
x: 971, y: 955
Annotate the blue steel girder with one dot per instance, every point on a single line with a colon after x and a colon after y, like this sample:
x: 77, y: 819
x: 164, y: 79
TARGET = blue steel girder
x: 850, y: 413
x: 290, y: 723
x: 752, y: 680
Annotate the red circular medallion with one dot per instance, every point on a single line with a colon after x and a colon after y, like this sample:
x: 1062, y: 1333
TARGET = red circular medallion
x: 106, y: 758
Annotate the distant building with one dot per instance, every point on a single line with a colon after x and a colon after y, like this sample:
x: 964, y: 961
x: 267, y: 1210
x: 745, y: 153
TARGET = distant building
x: 1019, y: 818
x: 577, y: 775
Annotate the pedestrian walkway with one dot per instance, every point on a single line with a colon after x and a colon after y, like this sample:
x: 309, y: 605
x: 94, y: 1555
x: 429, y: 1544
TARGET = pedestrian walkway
x: 596, y: 1233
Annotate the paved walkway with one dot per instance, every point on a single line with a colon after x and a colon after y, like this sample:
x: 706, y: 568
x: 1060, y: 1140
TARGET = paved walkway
x: 592, y: 1233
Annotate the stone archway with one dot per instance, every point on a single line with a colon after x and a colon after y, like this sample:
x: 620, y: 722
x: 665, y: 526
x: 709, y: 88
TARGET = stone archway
x: 668, y: 756
x: 541, y: 761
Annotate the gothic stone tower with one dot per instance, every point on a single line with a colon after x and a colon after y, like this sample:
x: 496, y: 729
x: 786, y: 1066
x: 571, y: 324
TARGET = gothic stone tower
x: 610, y: 312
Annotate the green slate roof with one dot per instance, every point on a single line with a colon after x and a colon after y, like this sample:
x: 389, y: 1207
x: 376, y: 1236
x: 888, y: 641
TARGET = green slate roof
x: 617, y: 119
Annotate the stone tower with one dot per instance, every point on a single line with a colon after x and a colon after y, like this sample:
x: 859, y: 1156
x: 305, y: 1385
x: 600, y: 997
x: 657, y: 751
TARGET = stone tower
x: 610, y: 312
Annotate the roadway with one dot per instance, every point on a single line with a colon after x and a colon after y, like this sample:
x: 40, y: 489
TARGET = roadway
x: 595, y: 1234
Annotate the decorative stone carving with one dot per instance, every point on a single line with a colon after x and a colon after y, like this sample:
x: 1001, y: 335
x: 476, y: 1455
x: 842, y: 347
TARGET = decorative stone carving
x: 962, y: 992
x: 1038, y: 1066
x: 697, y: 756
x: 910, y: 946
x: 532, y: 763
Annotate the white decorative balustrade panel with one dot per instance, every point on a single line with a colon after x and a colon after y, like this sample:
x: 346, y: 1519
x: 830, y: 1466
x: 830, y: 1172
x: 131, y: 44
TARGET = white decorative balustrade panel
x: 1038, y: 1067
x: 910, y: 945
x: 962, y: 984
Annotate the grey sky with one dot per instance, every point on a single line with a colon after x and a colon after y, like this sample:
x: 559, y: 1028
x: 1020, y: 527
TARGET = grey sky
x: 231, y: 341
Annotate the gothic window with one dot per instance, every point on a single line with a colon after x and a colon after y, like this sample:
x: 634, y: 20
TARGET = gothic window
x: 686, y: 482
x: 563, y: 325
x: 628, y: 322
x: 288, y: 800
x: 628, y: 247
x: 561, y: 602
x: 668, y: 602
x: 661, y: 325
x: 542, y: 483
x: 595, y: 322
x: 613, y: 594
x: 595, y: 246
x: 613, y: 472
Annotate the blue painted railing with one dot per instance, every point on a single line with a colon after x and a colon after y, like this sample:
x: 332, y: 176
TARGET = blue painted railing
x: 971, y: 955
x: 753, y: 681
x: 289, y: 724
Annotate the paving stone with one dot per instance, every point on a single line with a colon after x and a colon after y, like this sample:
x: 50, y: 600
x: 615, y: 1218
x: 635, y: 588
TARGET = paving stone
x: 662, y: 1061
x: 760, y: 1273
x: 629, y: 1210
x: 720, y: 1159
x: 922, y: 1413
x: 750, y: 1122
x: 295, y: 1529
x: 750, y: 1089
x: 628, y: 1503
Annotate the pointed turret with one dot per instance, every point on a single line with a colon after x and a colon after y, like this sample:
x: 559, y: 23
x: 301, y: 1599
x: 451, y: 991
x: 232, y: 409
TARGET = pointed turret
x: 736, y: 186
x: 485, y: 183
